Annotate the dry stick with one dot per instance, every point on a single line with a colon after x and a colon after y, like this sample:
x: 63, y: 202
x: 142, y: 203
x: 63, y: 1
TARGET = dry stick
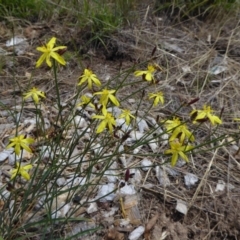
x: 206, y: 237
x: 204, y: 178
x: 173, y: 196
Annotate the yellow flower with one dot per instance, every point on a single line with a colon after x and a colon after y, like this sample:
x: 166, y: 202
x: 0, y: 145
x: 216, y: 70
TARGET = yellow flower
x: 106, y: 95
x: 19, y: 143
x: 107, y: 121
x: 126, y: 114
x: 206, y: 113
x: 148, y: 74
x: 177, y: 149
x: 178, y: 129
x: 158, y: 97
x: 21, y: 170
x: 86, y: 101
x: 50, y: 51
x: 35, y: 94
x: 90, y: 78
x: 172, y: 124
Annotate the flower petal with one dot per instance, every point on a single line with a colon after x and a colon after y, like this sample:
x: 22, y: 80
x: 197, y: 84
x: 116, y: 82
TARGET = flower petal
x: 101, y: 126
x: 58, y: 58
x: 114, y: 100
x: 41, y: 60
x: 51, y: 43
x: 174, y: 159
x: 25, y: 175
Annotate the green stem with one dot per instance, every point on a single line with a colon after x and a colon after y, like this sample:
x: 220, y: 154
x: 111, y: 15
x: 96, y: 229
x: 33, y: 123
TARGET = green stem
x: 57, y: 91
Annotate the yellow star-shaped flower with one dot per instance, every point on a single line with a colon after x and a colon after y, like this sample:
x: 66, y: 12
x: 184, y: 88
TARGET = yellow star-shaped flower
x: 35, y: 94
x: 158, y: 97
x: 106, y: 95
x: 90, y: 77
x: 148, y: 74
x: 108, y: 121
x: 21, y: 170
x: 177, y: 149
x: 126, y: 114
x: 49, y: 51
x: 85, y: 100
x: 178, y: 129
x: 19, y: 143
x: 206, y: 113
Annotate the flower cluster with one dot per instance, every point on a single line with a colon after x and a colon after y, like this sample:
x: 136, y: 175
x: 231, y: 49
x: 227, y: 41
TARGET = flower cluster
x: 49, y: 51
x: 102, y: 100
x: 204, y: 115
x: 21, y: 170
x: 19, y: 143
x: 148, y: 74
x: 89, y: 77
x: 35, y: 94
x: 180, y: 134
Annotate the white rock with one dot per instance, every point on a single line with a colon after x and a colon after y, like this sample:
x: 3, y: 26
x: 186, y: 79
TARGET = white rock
x: 162, y: 176
x: 145, y: 164
x: 124, y: 222
x: 111, y: 213
x: 137, y: 149
x: 142, y: 125
x: 217, y: 69
x: 148, y: 185
x: 115, y: 111
x: 153, y: 145
x: 136, y: 233
x: 121, y: 148
x: 15, y: 41
x: 127, y: 190
x: 111, y: 175
x: 181, y: 206
x: 190, y: 179
x: 135, y: 135
x: 61, y: 181
x: 220, y: 186
x: 4, y: 194
x: 13, y: 157
x: 137, y: 177
x: 131, y: 100
x: 172, y: 47
x: 46, y: 152
x: 171, y: 171
x: 164, y: 138
x: 61, y: 211
x: 12, y: 206
x: 4, y: 154
x: 97, y: 148
x: 152, y: 120
x: 80, y: 122
x: 106, y: 192
x: 120, y: 122
x: 180, y: 163
x: 186, y: 69
x: 92, y: 208
x: 74, y: 181
x: 123, y: 160
x: 20, y: 44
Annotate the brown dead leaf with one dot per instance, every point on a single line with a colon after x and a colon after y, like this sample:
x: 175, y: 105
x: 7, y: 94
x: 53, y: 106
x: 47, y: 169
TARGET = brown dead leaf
x: 149, y: 226
x: 113, y: 234
x: 32, y: 32
x: 1, y: 204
